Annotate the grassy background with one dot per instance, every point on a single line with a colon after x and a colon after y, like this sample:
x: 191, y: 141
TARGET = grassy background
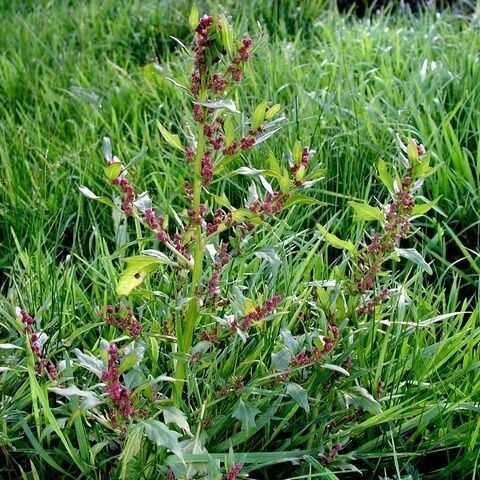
x: 72, y: 72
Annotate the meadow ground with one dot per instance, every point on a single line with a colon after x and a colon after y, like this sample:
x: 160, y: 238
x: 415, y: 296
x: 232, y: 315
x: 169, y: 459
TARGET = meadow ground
x: 73, y: 72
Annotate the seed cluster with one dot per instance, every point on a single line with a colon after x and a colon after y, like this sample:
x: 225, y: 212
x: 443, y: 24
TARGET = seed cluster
x: 118, y: 393
x: 33, y: 338
x: 257, y: 314
x: 121, y: 317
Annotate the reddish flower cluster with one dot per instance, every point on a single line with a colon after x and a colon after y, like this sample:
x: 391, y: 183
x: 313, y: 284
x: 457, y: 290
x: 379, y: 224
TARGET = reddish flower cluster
x: 397, y: 226
x: 232, y: 149
x: 152, y: 220
x: 235, y: 70
x: 207, y: 168
x: 301, y: 166
x: 217, y: 83
x: 121, y: 316
x: 235, y: 386
x: 258, y: 314
x: 272, y: 204
x: 181, y: 244
x: 219, y: 217
x: 246, y: 143
x: 209, y: 336
x: 233, y: 473
x: 300, y: 360
x: 220, y: 262
x: 332, y: 454
x: 369, y: 306
x: 202, y: 43
x: 198, y: 114
x: 118, y: 393
x: 189, y: 152
x: 33, y: 339
x: 156, y: 222
x: 197, y: 216
x: 211, y: 132
x: 128, y: 194
x: 188, y: 189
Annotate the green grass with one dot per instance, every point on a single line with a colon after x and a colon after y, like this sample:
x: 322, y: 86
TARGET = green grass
x: 71, y: 73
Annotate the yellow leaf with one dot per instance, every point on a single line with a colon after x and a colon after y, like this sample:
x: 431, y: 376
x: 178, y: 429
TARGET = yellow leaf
x: 138, y: 267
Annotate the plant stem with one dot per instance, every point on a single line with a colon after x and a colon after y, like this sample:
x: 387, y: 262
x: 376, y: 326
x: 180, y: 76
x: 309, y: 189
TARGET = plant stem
x: 185, y: 331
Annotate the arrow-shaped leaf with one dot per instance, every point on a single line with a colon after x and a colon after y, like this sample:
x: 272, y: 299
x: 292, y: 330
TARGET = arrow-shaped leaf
x: 170, y: 138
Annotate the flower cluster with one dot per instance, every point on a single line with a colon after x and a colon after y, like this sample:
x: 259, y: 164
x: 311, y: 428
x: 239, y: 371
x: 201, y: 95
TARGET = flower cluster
x: 34, y: 340
x: 128, y: 193
x: 273, y: 203
x: 213, y: 133
x: 209, y: 336
x: 236, y: 385
x: 121, y: 316
x: 220, y: 262
x: 207, y: 167
x: 332, y: 454
x: 156, y: 223
x: 235, y: 69
x: 396, y: 227
x: 299, y: 168
x: 196, y: 216
x: 257, y: 314
x: 369, y: 306
x: 118, y: 393
x: 206, y: 51
x: 233, y: 473
x: 316, y: 356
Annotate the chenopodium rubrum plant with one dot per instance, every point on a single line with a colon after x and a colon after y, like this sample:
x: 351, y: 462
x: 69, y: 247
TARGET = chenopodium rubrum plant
x: 208, y: 309
x: 212, y: 231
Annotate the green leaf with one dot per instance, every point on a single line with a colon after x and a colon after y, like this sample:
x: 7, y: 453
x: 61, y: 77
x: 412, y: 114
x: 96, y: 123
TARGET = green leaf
x: 359, y: 397
x: 281, y: 359
x: 297, y: 152
x: 272, y: 111
x: 113, y: 170
x: 242, y: 214
x: 91, y: 363
x: 366, y: 212
x: 222, y: 200
x: 299, y: 394
x: 138, y: 267
x: 227, y: 34
x: 170, y: 138
x: 89, y: 194
x: 335, y: 368
x: 194, y: 17
x: 422, y: 208
x: 160, y: 434
x: 384, y: 176
x: 415, y: 257
x: 245, y: 413
x: 412, y: 151
x: 229, y: 130
x: 128, y: 362
x: 285, y: 182
x: 273, y: 163
x: 175, y: 416
x: 336, y: 242
x: 131, y: 448
x: 302, y: 199
x: 259, y: 115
